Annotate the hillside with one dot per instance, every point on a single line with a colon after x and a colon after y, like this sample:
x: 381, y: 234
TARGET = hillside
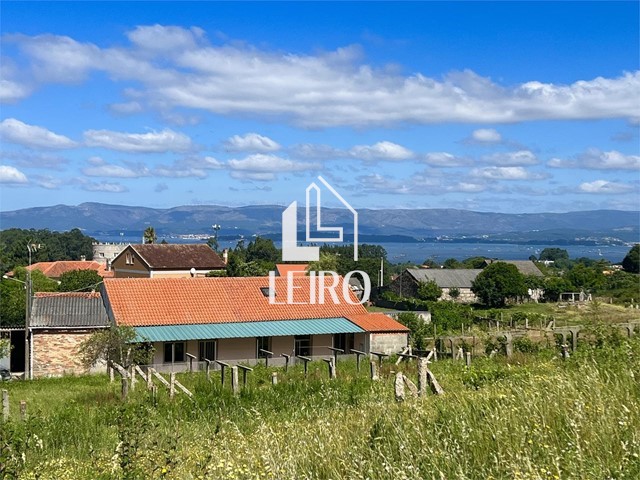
x: 265, y: 220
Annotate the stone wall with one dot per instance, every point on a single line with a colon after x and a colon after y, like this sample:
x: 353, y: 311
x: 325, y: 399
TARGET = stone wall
x: 465, y: 296
x: 404, y: 285
x: 55, y: 353
x: 389, y: 343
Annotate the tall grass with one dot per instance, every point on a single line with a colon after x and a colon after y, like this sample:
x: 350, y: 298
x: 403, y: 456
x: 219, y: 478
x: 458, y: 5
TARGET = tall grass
x: 532, y: 417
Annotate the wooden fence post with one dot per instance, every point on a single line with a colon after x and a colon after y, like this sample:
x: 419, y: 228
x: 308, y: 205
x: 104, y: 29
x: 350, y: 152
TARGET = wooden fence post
x: 111, y: 375
x: 468, y: 359
x: 286, y: 361
x: 191, y: 359
x: 5, y: 405
x: 149, y: 379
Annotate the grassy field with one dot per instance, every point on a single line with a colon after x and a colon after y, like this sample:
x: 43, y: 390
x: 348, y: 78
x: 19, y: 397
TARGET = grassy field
x: 529, y: 417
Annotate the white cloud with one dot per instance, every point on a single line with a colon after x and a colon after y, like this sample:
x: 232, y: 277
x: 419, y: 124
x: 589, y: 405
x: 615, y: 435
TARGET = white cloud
x: 15, y: 131
x: 316, y: 151
x: 595, y: 159
x: 161, y: 187
x: 29, y: 159
x: 176, y: 67
x: 265, y: 167
x: 12, y: 175
x: 512, y: 159
x: 152, y: 142
x: 381, y: 151
x: 48, y: 182
x: 506, y: 173
x: 604, y: 186
x: 163, y: 39
x: 178, y: 171
x: 126, y: 108
x: 104, y: 187
x: 251, y: 142
x: 486, y: 135
x: 12, y: 91
x: 114, y: 171
x: 444, y: 159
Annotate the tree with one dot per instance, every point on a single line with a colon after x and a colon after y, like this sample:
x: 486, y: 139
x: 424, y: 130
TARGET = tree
x: 554, y: 286
x: 79, y: 281
x: 418, y: 329
x: 474, y: 262
x: 454, y: 293
x: 149, y: 235
x: 497, y: 283
x: 213, y: 243
x: 5, y: 347
x: 116, y: 344
x: 558, y: 256
x: 631, y: 261
x: 13, y: 294
x: 431, y: 263
x: 452, y: 263
x: 429, y: 291
x: 327, y: 262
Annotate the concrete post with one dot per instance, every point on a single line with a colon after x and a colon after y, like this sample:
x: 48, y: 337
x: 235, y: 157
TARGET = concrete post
x: 374, y: 370
x: 399, y: 387
x: 235, y: 385
x: 423, y: 366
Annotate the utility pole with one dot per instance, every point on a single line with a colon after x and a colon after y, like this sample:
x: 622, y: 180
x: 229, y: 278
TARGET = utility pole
x: 28, y: 374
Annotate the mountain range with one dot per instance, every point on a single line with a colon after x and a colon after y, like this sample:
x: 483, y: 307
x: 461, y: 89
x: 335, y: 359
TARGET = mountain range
x: 97, y: 219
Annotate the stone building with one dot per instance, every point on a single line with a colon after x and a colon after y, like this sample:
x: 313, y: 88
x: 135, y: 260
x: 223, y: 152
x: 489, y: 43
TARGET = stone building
x: 59, y: 323
x: 104, y: 253
x: 407, y: 283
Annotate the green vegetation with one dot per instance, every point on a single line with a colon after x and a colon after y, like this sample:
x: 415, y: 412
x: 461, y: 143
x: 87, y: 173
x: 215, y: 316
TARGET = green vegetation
x: 79, y: 281
x: 497, y: 283
x: 631, y: 261
x: 115, y: 344
x: 149, y: 235
x: 429, y: 291
x: 71, y: 245
x: 530, y: 417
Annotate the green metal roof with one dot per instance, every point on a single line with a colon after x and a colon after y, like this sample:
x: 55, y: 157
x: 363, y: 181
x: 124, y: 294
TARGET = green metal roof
x: 278, y: 328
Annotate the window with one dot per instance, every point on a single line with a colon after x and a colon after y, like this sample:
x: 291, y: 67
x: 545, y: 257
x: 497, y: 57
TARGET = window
x: 263, y: 343
x: 343, y: 341
x: 128, y: 259
x: 207, y: 350
x: 174, y: 352
x: 266, y: 291
x: 302, y: 345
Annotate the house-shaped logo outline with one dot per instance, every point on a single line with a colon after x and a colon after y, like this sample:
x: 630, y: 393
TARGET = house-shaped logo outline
x: 291, y: 251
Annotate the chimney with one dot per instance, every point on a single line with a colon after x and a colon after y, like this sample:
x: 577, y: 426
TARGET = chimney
x: 225, y: 255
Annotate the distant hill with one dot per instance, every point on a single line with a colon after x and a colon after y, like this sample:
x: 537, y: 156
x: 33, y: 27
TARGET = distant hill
x: 418, y: 224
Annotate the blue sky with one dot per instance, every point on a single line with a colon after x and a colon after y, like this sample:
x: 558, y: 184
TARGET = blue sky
x: 508, y: 107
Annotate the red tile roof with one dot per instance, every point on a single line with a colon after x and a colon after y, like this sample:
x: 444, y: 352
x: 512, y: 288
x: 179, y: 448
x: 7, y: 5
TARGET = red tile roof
x: 296, y: 268
x: 178, y: 256
x: 377, y: 323
x: 180, y: 301
x: 56, y: 269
